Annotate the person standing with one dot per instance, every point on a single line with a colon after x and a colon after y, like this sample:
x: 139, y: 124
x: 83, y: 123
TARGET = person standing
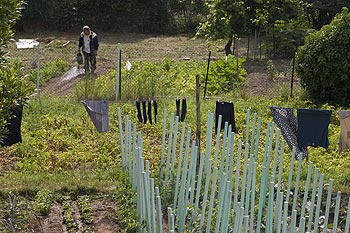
x: 88, y: 41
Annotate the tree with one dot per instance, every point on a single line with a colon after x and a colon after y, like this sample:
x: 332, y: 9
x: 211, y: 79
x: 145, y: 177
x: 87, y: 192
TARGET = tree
x: 321, y: 12
x: 323, y: 62
x: 9, y: 12
x: 278, y: 18
x: 12, y: 89
x: 226, y: 18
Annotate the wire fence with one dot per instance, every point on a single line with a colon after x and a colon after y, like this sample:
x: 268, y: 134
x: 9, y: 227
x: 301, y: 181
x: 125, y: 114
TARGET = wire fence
x: 52, y: 69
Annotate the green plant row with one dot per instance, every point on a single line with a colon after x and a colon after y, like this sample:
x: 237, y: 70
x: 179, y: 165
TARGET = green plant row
x: 85, y: 209
x: 67, y: 214
x: 150, y: 79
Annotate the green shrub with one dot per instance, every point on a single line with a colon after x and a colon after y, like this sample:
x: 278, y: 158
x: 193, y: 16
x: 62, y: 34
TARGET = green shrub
x: 13, y: 91
x: 43, y: 201
x: 323, y: 62
x: 223, y: 75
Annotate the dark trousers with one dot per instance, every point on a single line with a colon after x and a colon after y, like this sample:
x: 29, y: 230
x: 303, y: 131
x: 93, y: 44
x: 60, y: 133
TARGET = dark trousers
x: 89, y: 61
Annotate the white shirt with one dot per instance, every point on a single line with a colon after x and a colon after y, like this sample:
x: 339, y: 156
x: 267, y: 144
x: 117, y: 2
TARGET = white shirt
x: 87, y: 43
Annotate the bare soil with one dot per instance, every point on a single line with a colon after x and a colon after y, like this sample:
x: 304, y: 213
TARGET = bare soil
x: 104, y: 219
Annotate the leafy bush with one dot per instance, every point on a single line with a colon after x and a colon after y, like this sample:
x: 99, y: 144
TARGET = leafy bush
x: 43, y: 201
x: 13, y: 91
x: 223, y: 75
x: 322, y: 63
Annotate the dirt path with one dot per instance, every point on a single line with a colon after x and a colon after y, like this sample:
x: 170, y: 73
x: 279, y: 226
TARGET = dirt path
x: 52, y: 223
x: 104, y: 216
x: 65, y: 84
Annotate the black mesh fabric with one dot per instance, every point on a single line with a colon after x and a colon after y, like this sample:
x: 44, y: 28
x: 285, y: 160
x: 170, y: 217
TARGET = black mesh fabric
x: 287, y: 123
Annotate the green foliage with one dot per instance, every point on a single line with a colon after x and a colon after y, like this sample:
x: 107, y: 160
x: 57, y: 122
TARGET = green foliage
x: 50, y: 70
x: 42, y: 201
x: 223, y: 76
x: 145, y: 80
x: 271, y: 70
x: 9, y: 13
x: 67, y: 214
x: 226, y: 17
x: 13, y: 91
x: 322, y: 12
x: 125, y: 197
x: 102, y: 87
x: 85, y: 209
x: 132, y: 15
x: 65, y: 139
x: 322, y: 65
x: 15, y: 214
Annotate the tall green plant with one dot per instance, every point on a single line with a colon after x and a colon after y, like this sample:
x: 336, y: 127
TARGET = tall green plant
x: 12, y: 90
x: 323, y: 62
x: 223, y: 76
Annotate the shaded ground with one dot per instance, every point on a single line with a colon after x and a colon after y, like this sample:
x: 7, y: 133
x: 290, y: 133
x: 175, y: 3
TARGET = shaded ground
x: 104, y: 219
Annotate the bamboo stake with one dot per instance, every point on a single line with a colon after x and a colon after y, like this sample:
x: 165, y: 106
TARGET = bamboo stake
x: 319, y: 200
x: 223, y: 149
x: 253, y: 134
x: 257, y: 139
x: 347, y: 224
x: 211, y: 203
x: 307, y: 185
x: 170, y: 140
x: 206, y: 190
x: 247, y: 126
x: 159, y: 213
x: 217, y: 142
x: 238, y: 168
x: 302, y: 225
x: 279, y: 212
x: 227, y: 207
x: 153, y: 206
x: 312, y: 202
x: 297, y: 181
x: 183, y: 175
x: 252, y: 205
x: 293, y: 221
x: 163, y: 141
x: 199, y: 184
x: 336, y: 215
x: 221, y: 200
x: 244, y: 178
x: 290, y: 175
x: 209, y: 136
x: 269, y: 220
x: 179, y: 165
x: 174, y: 149
x: 285, y: 217
x: 328, y: 205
